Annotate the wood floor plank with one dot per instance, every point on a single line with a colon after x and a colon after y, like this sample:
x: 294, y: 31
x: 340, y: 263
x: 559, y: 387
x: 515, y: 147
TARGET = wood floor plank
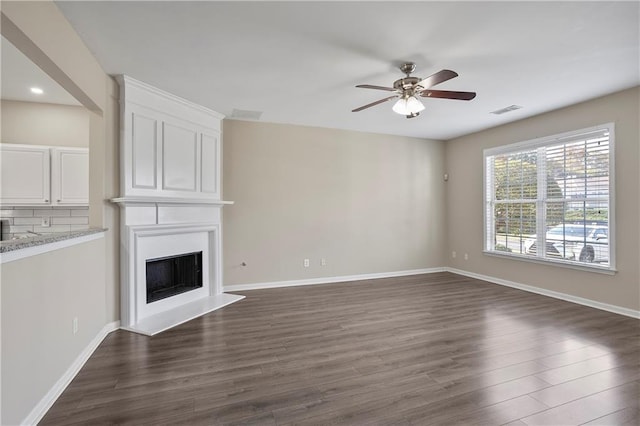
x: 501, y: 413
x: 585, y: 386
x: 629, y: 416
x: 577, y: 370
x: 589, y: 408
x: 427, y: 349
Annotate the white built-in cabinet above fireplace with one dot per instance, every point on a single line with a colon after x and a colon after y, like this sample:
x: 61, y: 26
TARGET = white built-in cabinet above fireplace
x: 170, y: 147
x: 171, y: 209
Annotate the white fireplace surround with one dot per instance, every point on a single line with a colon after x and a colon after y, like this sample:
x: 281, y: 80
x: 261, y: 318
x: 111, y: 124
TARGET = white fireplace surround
x: 162, y: 228
x: 170, y: 173
x: 152, y: 242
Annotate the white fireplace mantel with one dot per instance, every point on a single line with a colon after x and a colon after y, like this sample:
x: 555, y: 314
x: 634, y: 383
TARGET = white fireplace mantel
x: 168, y: 200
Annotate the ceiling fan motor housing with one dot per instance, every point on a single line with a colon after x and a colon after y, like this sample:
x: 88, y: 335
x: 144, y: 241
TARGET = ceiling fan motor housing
x: 406, y: 83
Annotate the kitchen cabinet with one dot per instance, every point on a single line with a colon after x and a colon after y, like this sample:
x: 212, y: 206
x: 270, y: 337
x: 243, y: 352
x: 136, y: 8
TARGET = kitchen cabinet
x: 25, y: 175
x: 44, y: 175
x: 69, y: 176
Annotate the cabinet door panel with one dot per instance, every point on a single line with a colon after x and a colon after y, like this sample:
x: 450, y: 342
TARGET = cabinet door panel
x: 25, y: 175
x: 70, y: 174
x: 179, y: 158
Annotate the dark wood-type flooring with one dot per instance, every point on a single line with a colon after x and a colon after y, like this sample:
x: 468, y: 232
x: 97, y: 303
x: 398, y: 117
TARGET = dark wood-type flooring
x: 436, y: 349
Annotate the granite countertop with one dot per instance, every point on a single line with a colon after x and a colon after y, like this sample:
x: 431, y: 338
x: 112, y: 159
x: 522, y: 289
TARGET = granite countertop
x: 38, y: 240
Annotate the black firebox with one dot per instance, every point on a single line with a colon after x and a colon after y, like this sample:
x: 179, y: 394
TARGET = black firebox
x: 169, y: 276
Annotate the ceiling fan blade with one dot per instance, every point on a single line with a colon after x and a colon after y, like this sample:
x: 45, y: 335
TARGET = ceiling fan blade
x: 448, y: 94
x: 370, y: 86
x: 437, y: 78
x: 374, y: 103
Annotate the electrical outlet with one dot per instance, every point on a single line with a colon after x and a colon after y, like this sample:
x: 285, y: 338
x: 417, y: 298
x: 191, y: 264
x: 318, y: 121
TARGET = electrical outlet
x: 75, y: 325
x: 46, y: 222
x: 323, y: 262
x: 454, y: 254
x: 466, y: 256
x: 306, y: 263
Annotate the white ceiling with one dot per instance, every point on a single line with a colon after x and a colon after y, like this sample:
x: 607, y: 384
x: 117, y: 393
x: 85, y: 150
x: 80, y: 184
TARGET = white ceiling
x: 19, y: 75
x: 298, y: 62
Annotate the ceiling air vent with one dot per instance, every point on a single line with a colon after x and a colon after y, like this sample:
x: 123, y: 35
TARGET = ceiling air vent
x: 246, y: 115
x: 506, y: 109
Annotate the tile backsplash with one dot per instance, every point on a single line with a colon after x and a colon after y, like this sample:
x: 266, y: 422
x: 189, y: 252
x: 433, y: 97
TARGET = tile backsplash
x: 18, y: 221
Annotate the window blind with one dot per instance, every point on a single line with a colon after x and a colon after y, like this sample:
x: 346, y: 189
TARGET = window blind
x: 550, y: 198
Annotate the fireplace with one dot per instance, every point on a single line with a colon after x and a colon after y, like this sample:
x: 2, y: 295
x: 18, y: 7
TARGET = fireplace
x: 173, y: 275
x: 170, y: 209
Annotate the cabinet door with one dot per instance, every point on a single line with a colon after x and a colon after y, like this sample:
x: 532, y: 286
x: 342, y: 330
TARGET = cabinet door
x: 25, y: 174
x: 70, y: 176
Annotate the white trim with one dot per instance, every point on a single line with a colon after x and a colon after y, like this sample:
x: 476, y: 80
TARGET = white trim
x: 126, y: 80
x: 329, y: 280
x: 588, y: 267
x: 56, y: 390
x: 133, y: 307
x: 168, y: 200
x: 10, y: 256
x: 550, y: 293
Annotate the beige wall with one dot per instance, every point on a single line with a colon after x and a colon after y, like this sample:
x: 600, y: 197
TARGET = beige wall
x: 40, y: 297
x: 35, y: 123
x: 42, y: 33
x: 367, y: 203
x: 464, y: 206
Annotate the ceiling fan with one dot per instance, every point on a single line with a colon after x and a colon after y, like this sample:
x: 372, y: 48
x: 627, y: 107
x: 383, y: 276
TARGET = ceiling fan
x: 407, y: 88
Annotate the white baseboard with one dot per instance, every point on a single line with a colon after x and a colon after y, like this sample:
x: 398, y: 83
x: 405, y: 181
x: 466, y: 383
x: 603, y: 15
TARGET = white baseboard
x: 329, y: 280
x: 56, y: 390
x: 550, y: 293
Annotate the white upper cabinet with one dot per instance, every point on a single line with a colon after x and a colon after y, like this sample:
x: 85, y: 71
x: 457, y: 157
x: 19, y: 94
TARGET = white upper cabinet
x: 170, y: 147
x: 25, y: 175
x: 70, y: 176
x: 44, y: 175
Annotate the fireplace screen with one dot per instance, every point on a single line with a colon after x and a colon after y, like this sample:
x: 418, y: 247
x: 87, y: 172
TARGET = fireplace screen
x: 169, y: 276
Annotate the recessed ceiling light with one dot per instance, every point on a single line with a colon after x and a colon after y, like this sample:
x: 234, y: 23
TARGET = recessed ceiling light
x: 37, y: 90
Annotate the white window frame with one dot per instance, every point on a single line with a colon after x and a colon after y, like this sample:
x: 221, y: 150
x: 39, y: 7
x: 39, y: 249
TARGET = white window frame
x: 489, y: 219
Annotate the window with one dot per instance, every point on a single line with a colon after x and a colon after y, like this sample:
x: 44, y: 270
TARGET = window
x: 551, y: 199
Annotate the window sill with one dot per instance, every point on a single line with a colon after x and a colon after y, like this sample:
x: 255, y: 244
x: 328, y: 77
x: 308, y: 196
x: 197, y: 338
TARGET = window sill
x: 549, y: 262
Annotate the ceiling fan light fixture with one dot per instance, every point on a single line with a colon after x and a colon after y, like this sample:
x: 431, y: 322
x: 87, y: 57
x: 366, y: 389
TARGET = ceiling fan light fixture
x: 407, y: 88
x: 414, y: 105
x: 400, y: 107
x: 408, y: 106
